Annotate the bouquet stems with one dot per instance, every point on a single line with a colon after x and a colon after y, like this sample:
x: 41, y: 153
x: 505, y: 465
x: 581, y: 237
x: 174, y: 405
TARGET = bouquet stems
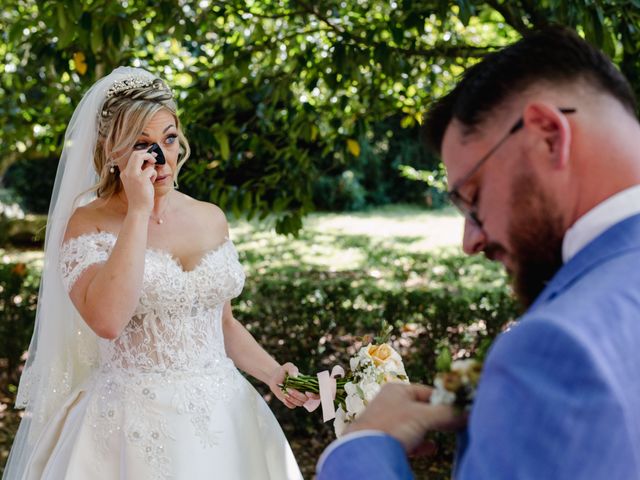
x: 309, y: 384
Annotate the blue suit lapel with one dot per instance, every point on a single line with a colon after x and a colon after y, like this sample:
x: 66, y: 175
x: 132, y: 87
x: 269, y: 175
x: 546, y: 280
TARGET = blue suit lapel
x: 617, y: 240
x: 621, y: 238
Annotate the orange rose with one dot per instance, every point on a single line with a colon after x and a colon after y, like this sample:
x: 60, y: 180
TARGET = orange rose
x: 380, y: 353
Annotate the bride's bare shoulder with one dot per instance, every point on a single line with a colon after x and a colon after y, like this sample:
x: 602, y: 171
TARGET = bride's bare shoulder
x: 86, y: 219
x: 207, y: 214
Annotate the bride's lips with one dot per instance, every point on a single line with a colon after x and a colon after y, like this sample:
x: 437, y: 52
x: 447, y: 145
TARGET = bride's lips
x: 161, y: 178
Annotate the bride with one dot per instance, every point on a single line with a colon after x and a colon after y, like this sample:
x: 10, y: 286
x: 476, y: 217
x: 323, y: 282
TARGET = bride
x: 132, y: 371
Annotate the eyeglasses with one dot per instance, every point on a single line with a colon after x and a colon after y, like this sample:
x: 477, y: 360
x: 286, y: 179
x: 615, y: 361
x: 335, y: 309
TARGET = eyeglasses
x: 466, y: 207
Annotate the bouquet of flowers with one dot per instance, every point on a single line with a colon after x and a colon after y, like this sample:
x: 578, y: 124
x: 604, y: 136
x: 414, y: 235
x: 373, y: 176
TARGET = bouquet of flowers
x: 456, y: 381
x: 371, y: 367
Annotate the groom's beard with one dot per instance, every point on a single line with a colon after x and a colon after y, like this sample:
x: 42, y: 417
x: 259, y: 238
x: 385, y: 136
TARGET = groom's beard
x: 536, y: 234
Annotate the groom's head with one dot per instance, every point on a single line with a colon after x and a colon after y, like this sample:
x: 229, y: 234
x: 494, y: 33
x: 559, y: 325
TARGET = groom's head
x: 530, y: 138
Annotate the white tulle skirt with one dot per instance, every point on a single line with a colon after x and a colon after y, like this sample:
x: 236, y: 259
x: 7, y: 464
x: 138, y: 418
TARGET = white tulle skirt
x: 160, y: 428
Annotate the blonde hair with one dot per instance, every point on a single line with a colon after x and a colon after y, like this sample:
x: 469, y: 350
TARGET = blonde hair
x: 121, y: 120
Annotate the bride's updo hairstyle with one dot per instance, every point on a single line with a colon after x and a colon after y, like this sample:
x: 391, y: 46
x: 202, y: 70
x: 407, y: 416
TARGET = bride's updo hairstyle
x: 128, y: 106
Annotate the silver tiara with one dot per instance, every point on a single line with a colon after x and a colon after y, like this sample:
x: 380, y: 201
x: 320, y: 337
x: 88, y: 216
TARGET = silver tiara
x: 134, y: 81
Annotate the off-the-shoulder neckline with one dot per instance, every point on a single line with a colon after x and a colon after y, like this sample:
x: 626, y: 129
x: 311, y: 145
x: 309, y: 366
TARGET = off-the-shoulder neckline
x: 159, y: 251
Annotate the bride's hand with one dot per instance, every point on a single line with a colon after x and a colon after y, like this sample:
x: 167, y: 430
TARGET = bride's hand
x: 137, y: 179
x: 293, y: 398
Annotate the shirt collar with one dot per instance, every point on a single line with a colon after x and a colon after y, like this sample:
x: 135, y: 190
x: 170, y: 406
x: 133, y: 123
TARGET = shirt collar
x: 614, y: 209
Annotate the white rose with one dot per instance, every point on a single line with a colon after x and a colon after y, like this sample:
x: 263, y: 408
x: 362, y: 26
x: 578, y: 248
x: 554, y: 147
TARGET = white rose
x: 350, y: 388
x: 396, y: 356
x: 355, y: 404
x: 364, y: 363
x: 440, y: 395
x: 363, y: 355
x: 369, y: 375
x: 364, y: 351
x: 370, y: 390
x: 340, y: 423
x: 354, y: 362
x: 395, y: 377
x: 395, y: 368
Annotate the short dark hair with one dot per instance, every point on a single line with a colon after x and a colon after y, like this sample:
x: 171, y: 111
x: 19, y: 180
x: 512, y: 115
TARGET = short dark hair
x: 555, y: 54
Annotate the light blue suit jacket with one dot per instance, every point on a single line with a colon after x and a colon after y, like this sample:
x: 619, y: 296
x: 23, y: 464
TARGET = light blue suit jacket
x: 560, y: 392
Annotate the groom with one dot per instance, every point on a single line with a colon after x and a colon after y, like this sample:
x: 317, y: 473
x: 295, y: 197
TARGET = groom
x: 542, y: 149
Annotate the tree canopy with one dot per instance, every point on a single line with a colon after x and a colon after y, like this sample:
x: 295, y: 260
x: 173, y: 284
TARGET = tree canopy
x: 272, y: 92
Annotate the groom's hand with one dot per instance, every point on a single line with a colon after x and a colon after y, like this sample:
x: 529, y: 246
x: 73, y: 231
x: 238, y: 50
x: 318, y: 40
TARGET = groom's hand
x: 293, y: 398
x: 404, y: 412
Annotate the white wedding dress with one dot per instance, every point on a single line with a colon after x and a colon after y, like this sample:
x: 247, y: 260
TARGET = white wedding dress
x: 165, y: 402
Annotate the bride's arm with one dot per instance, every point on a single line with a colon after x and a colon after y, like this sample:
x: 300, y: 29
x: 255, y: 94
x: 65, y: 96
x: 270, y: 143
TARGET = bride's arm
x: 106, y: 295
x: 250, y: 357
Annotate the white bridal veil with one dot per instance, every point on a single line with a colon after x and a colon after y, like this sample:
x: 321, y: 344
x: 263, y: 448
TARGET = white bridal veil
x: 63, y: 349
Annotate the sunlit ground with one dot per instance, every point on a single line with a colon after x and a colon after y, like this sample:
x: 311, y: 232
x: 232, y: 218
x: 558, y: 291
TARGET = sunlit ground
x: 393, y: 245
x: 336, y: 241
x: 348, y: 241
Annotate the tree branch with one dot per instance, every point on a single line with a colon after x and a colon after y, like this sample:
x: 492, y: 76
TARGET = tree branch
x: 355, y: 40
x: 537, y: 19
x: 509, y: 16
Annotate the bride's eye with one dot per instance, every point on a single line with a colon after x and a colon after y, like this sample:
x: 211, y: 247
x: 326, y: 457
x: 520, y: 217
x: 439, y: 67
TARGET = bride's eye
x: 140, y: 145
x: 171, y: 138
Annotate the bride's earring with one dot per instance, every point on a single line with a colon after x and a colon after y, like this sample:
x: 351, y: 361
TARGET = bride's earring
x: 113, y: 168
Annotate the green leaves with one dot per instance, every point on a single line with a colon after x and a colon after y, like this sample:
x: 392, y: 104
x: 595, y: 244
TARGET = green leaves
x: 273, y: 94
x: 443, y: 360
x: 63, y: 23
x: 465, y: 11
x: 223, y: 142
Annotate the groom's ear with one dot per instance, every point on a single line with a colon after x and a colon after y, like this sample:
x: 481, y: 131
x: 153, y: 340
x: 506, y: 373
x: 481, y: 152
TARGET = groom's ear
x: 550, y: 131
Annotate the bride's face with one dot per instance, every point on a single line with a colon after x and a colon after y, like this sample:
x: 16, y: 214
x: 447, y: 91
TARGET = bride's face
x: 161, y: 129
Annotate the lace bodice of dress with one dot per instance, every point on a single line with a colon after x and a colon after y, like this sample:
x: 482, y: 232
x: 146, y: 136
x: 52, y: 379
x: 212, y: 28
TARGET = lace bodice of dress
x: 177, y: 323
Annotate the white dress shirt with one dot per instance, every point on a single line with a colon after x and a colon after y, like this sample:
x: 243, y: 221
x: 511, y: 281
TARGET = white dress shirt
x: 606, y: 214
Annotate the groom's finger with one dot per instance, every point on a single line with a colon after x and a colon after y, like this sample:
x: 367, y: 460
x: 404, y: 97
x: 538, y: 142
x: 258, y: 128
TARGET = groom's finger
x: 425, y: 449
x: 438, y: 417
x: 422, y: 393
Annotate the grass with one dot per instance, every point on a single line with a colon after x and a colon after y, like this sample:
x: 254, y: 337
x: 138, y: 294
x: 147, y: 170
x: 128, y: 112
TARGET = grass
x: 350, y: 241
x: 335, y: 241
x: 332, y: 241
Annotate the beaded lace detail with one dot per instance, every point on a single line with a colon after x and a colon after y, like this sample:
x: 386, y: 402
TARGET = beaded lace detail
x: 174, y: 339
